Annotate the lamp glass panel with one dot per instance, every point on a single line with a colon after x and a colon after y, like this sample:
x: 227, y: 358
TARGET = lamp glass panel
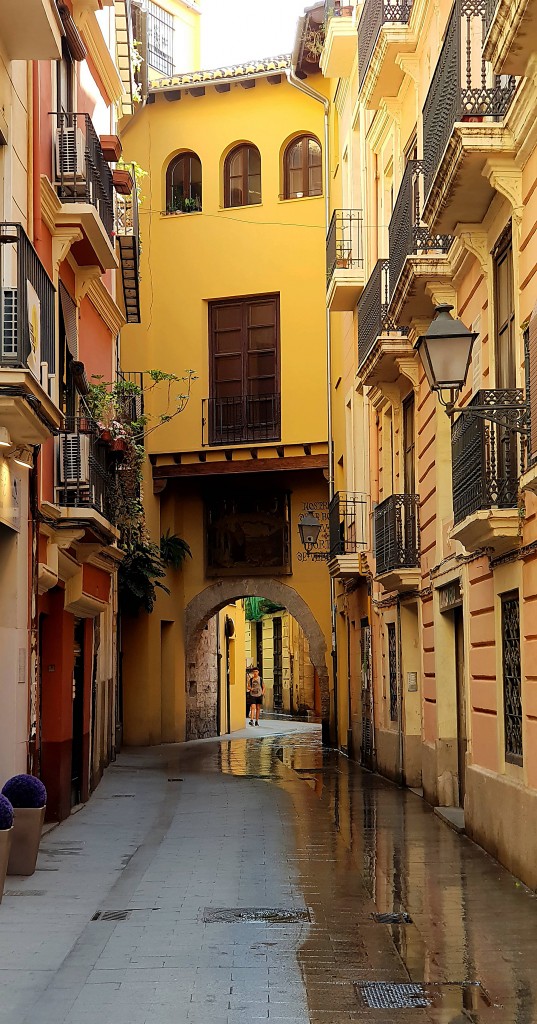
x: 448, y: 360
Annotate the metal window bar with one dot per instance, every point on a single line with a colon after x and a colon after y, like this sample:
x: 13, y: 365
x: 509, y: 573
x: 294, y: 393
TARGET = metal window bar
x: 375, y: 14
x: 463, y: 87
x: 159, y: 39
x: 22, y: 270
x: 488, y: 458
x: 512, y: 678
x: 132, y: 405
x: 392, y: 671
x: 128, y: 235
x: 241, y: 419
x: 373, y: 318
x: 348, y: 517
x: 409, y: 236
x: 82, y: 175
x: 344, y: 242
x: 84, y: 467
x: 396, y: 522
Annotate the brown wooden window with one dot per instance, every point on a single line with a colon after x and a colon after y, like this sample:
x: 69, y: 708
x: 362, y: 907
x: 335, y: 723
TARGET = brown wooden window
x: 242, y: 176
x: 409, y: 445
x: 302, y: 164
x: 183, y: 184
x: 504, y: 312
x: 244, y: 403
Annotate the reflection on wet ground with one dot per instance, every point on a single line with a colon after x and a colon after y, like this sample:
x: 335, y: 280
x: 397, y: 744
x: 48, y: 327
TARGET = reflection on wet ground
x: 362, y: 846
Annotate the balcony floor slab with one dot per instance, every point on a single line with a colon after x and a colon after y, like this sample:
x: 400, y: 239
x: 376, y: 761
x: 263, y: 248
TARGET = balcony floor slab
x: 346, y: 566
x: 400, y: 579
x: 381, y: 365
x: 344, y: 289
x: 497, y: 529
x: 340, y: 48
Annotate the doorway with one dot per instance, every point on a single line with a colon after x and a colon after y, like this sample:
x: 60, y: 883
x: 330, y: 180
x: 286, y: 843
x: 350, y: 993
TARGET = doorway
x: 77, y: 756
x: 462, y: 739
x: 278, y: 663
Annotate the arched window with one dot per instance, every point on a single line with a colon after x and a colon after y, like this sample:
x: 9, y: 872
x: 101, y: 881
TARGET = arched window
x: 302, y: 166
x: 183, y: 184
x: 242, y: 176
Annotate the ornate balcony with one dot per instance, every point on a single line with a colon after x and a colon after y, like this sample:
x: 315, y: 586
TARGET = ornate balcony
x: 241, y: 419
x: 488, y: 459
x: 85, y: 478
x: 382, y: 34
x: 84, y: 187
x: 380, y: 344
x: 510, y: 35
x: 348, y: 522
x: 33, y: 33
x: 463, y: 123
x: 340, y: 47
x: 27, y: 340
x: 128, y: 236
x: 417, y: 256
x: 344, y: 260
x: 396, y: 524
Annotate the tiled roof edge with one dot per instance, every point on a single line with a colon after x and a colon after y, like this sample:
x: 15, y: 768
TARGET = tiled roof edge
x: 233, y: 72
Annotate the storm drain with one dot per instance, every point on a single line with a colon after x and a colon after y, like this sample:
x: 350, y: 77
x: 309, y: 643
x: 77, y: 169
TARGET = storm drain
x: 454, y: 995
x: 392, y: 918
x: 24, y: 892
x: 271, y: 915
x: 111, y: 915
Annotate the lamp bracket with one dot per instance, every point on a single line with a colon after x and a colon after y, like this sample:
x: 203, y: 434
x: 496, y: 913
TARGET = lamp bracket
x: 513, y: 416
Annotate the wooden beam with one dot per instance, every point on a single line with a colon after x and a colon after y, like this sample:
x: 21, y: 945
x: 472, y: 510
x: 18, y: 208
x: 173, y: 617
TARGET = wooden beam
x: 274, y: 79
x: 290, y: 464
x: 197, y: 91
x: 223, y: 87
x: 175, y: 94
x: 248, y: 84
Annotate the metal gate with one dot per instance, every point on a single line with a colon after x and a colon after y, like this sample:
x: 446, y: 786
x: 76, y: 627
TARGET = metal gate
x: 278, y: 668
x: 368, y: 732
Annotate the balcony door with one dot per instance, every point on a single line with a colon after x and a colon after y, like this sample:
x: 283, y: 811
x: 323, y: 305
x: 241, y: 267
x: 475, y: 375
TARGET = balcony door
x: 410, y: 525
x: 504, y: 310
x: 244, y: 402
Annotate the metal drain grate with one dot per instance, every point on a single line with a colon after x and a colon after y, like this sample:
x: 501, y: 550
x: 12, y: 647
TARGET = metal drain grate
x: 270, y: 915
x: 24, y: 892
x: 392, y: 918
x: 111, y: 915
x: 385, y: 995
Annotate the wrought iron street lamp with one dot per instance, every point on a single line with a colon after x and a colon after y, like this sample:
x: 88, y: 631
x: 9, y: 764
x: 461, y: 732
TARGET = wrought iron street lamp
x: 445, y: 351
x: 309, y: 528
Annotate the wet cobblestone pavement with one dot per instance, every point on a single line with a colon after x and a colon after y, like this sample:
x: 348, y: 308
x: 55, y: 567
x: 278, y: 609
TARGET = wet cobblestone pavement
x: 236, y: 880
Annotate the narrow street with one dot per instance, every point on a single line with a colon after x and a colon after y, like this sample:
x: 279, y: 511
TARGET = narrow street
x: 234, y: 880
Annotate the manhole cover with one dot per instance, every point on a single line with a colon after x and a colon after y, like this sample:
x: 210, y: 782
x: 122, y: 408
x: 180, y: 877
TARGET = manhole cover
x: 272, y: 915
x: 384, y: 995
x: 24, y: 892
x: 394, y: 918
x: 449, y: 995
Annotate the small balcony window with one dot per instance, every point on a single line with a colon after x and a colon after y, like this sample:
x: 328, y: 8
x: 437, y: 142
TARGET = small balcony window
x: 159, y: 39
x: 183, y: 184
x: 242, y: 176
x: 303, y: 175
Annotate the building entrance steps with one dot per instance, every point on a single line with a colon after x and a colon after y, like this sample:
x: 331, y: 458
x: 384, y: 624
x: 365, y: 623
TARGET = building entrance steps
x: 235, y: 880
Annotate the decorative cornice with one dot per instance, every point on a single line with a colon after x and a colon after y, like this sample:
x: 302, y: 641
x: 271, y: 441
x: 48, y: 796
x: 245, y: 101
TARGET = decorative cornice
x: 105, y: 305
x: 51, y: 206
x: 105, y: 65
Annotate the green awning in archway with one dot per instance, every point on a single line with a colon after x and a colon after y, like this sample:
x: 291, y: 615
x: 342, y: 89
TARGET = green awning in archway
x: 256, y: 607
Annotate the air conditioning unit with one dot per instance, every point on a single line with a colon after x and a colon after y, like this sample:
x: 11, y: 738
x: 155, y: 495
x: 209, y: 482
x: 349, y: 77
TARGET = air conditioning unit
x: 70, y: 155
x: 9, y: 323
x: 74, y: 459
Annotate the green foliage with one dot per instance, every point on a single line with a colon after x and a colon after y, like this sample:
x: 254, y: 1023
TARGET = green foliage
x: 139, y: 576
x: 174, y: 550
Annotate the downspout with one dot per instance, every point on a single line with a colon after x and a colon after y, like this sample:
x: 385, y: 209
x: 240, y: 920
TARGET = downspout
x: 314, y: 95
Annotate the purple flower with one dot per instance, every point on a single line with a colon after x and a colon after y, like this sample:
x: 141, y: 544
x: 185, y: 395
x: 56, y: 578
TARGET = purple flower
x: 6, y: 813
x: 25, y: 791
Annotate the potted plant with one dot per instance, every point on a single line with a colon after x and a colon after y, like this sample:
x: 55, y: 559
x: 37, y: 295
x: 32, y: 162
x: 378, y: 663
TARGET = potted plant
x: 28, y: 797
x: 6, y: 832
x: 122, y: 179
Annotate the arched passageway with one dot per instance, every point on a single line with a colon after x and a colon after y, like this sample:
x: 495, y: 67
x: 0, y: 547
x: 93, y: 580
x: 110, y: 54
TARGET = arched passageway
x: 212, y: 599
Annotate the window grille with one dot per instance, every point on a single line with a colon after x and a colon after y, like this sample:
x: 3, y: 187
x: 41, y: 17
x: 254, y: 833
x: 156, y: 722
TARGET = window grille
x: 512, y: 682
x: 159, y: 39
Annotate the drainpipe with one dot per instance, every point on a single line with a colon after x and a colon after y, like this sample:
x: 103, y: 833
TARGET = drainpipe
x: 401, y: 765
x: 314, y: 95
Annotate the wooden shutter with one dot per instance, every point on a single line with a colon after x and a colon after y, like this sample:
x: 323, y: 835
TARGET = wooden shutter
x: 532, y: 355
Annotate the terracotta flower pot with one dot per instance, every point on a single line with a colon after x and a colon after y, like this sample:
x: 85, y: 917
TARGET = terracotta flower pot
x: 27, y: 826
x: 106, y: 436
x: 5, y: 846
x: 118, y: 444
x: 123, y: 182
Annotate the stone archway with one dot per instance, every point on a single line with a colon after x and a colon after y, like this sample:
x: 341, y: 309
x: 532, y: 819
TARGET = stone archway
x: 208, y: 602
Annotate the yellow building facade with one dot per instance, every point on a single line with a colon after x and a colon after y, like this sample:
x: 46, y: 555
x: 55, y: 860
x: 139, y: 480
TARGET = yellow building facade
x: 278, y: 647
x: 433, y: 168
x: 233, y: 235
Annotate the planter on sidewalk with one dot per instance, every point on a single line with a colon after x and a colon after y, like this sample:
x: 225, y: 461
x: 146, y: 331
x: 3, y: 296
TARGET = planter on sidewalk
x: 6, y: 833
x: 28, y: 797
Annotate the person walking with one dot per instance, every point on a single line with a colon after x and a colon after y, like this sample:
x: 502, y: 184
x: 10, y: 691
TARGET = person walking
x: 257, y: 692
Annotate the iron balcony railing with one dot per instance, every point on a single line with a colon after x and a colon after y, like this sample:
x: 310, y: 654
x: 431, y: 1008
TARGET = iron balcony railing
x: 85, y: 474
x: 490, y: 11
x: 373, y: 305
x: 375, y: 14
x: 336, y: 8
x: 463, y: 87
x: 131, y: 399
x: 82, y: 174
x: 488, y: 458
x: 396, y: 523
x: 344, y: 242
x: 241, y: 419
x: 348, y: 518
x: 128, y: 235
x: 26, y: 306
x: 408, y: 235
